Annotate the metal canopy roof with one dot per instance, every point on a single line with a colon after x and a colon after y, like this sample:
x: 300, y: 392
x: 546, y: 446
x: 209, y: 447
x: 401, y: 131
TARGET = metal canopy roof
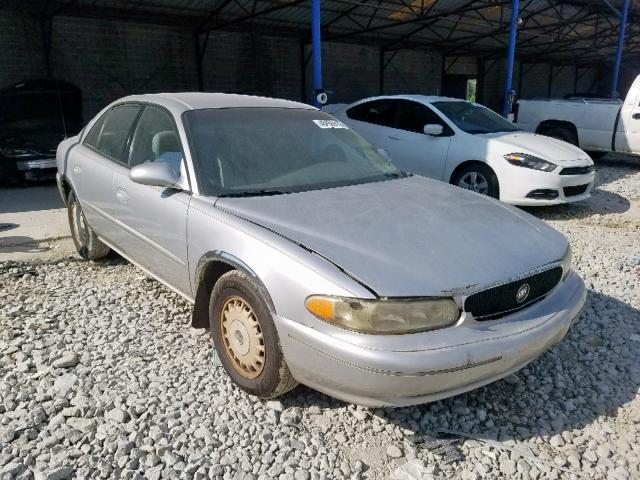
x: 560, y: 32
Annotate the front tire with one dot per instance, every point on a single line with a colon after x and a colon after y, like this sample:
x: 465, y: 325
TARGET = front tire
x: 245, y: 337
x: 479, y: 178
x: 85, y: 239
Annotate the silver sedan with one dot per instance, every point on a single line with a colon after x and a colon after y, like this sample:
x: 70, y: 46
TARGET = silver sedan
x: 309, y: 256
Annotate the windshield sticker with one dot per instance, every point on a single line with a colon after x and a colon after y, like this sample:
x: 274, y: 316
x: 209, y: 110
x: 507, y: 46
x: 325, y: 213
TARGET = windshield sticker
x: 329, y: 124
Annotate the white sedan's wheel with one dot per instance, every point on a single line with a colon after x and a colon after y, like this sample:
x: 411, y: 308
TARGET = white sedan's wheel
x: 475, y: 182
x: 478, y: 177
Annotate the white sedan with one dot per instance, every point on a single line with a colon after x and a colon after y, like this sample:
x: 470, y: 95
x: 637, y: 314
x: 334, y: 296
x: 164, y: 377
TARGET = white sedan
x: 468, y: 145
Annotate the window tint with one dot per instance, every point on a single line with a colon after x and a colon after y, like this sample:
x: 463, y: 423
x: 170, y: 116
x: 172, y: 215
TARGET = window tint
x: 379, y: 112
x: 116, y: 130
x: 474, y: 118
x: 413, y: 116
x: 155, y: 138
x: 92, y: 137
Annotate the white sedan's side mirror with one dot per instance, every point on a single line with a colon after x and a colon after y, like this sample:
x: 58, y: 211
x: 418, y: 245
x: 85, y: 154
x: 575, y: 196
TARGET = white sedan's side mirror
x: 433, y: 129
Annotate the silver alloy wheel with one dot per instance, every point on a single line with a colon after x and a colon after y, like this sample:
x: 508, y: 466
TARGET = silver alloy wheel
x: 79, y: 224
x: 474, y: 181
x: 242, y: 337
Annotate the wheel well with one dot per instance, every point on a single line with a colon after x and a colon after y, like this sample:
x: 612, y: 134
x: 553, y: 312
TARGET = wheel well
x: 209, y: 270
x: 548, y: 124
x: 65, y: 188
x: 463, y: 165
x: 207, y: 277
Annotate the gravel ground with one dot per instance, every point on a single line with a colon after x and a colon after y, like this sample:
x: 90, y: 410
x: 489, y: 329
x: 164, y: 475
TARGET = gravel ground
x: 102, y: 377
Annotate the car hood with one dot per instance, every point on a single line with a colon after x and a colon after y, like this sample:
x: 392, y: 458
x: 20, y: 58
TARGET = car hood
x: 547, y: 148
x: 409, y: 237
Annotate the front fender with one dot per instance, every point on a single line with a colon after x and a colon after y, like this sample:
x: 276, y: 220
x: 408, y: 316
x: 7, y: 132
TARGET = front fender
x: 286, y: 272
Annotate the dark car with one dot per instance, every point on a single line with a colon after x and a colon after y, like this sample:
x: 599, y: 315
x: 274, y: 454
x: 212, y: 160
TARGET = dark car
x: 35, y: 116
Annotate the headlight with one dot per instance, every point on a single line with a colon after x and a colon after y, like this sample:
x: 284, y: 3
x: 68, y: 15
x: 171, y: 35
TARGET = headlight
x: 566, y: 262
x: 529, y: 161
x: 389, y: 317
x: 15, y: 152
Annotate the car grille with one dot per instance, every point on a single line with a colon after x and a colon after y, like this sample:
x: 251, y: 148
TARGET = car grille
x: 576, y: 190
x: 577, y: 170
x: 495, y: 301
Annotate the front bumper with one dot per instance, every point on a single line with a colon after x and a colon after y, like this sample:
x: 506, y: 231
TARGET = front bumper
x: 39, y: 169
x: 453, y: 361
x: 520, y: 182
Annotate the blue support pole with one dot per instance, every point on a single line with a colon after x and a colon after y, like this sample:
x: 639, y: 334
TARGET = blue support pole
x: 616, y: 67
x: 316, y: 50
x: 515, y: 6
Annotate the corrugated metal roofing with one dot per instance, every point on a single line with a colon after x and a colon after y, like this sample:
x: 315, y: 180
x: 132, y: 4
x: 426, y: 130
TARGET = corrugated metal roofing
x: 573, y: 31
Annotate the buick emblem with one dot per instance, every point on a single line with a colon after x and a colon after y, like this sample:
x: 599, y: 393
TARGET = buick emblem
x: 522, y: 293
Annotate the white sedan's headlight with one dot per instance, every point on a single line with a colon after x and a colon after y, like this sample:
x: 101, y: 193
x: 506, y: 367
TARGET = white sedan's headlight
x: 389, y: 316
x: 529, y: 161
x: 566, y: 262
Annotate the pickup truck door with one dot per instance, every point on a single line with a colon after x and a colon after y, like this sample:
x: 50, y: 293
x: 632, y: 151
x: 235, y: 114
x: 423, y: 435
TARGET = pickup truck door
x: 627, y: 135
x: 154, y: 218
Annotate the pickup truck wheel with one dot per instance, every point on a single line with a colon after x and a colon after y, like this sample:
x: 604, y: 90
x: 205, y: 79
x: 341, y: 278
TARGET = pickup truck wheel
x: 478, y: 178
x: 85, y: 239
x: 246, y: 338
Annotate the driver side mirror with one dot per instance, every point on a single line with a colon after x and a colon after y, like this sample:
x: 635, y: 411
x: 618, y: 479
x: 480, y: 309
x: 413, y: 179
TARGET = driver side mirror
x: 158, y: 173
x: 433, y: 129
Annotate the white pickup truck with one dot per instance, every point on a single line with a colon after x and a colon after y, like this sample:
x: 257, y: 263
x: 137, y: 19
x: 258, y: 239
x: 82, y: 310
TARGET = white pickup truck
x: 595, y: 125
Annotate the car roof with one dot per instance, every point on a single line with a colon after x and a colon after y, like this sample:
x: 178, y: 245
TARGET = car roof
x: 183, y: 101
x: 418, y: 98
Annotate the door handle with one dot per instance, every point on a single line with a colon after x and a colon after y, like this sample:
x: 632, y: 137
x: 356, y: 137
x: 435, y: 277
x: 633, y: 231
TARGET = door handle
x: 122, y: 195
x: 636, y: 116
x: 394, y: 137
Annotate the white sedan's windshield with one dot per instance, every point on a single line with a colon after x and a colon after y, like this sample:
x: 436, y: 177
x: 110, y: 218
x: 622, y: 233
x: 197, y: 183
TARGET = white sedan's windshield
x: 266, y: 151
x: 474, y: 118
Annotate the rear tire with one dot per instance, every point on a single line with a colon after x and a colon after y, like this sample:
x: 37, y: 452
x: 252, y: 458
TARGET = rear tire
x: 479, y: 178
x: 245, y: 337
x: 85, y: 239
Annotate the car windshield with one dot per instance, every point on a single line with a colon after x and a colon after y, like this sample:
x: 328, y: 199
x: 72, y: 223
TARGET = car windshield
x: 474, y: 118
x: 267, y: 151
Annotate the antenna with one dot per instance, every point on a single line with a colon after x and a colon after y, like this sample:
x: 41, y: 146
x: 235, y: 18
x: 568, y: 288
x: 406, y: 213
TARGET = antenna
x: 61, y: 105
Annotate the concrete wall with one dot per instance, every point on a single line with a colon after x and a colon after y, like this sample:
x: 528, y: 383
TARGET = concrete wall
x: 412, y: 71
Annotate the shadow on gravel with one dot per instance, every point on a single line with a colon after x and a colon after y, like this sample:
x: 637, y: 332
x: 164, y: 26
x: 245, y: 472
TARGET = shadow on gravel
x: 615, y: 167
x: 592, y: 373
x: 602, y: 202
x: 20, y: 244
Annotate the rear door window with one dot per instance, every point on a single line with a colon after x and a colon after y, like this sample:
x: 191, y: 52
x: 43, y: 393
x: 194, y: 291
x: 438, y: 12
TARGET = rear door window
x: 378, y: 112
x: 115, y: 131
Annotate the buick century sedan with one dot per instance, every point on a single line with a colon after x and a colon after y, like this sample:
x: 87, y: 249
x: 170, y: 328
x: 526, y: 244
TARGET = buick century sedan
x: 309, y: 256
